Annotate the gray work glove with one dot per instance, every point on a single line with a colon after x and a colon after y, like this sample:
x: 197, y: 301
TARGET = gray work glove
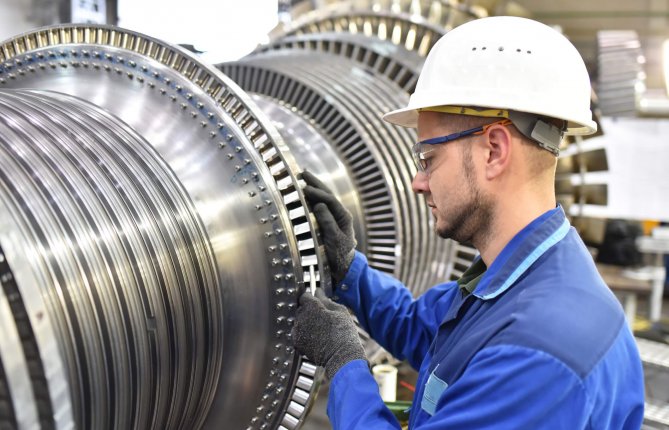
x: 336, y: 225
x: 325, y: 333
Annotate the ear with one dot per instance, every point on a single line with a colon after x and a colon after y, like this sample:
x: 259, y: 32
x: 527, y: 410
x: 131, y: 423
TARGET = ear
x: 498, y: 151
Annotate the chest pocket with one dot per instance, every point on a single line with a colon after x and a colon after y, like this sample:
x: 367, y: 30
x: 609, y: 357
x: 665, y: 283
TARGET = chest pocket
x: 433, y: 390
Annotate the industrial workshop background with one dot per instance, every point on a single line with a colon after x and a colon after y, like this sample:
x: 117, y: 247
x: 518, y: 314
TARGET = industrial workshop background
x: 153, y: 233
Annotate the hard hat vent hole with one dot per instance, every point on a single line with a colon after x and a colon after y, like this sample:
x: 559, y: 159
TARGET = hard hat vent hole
x: 529, y: 52
x: 518, y: 50
x: 501, y: 48
x: 474, y: 48
x: 483, y: 48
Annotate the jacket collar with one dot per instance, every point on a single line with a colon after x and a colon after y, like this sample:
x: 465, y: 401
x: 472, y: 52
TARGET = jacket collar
x: 522, y: 251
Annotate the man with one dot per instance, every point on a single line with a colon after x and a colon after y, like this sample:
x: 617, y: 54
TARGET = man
x: 530, y: 337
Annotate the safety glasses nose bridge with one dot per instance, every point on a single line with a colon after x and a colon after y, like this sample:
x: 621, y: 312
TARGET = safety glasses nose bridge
x: 420, y: 149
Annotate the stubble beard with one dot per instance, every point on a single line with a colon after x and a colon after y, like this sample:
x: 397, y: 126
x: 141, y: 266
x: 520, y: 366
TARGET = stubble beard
x: 469, y: 222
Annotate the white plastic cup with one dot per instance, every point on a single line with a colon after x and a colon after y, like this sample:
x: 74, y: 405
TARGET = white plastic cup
x: 386, y: 377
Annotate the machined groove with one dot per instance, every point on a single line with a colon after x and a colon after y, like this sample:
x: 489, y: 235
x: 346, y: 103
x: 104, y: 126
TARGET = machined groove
x: 184, y: 246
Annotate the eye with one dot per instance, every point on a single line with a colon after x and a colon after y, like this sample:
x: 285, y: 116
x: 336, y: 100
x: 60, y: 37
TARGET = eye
x: 422, y: 156
x: 425, y: 159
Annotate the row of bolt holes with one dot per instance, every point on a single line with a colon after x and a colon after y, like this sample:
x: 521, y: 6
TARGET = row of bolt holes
x: 501, y: 48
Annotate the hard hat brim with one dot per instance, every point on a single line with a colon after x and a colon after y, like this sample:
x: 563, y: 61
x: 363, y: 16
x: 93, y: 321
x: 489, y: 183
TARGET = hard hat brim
x: 405, y: 117
x: 408, y: 117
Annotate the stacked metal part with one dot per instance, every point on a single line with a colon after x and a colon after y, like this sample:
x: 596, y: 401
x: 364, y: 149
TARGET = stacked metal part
x: 620, y: 81
x: 339, y: 68
x: 153, y: 240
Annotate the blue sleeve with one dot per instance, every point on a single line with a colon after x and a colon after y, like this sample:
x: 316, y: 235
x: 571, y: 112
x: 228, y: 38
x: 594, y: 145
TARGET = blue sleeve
x: 354, y: 401
x: 387, y: 311
x: 512, y: 387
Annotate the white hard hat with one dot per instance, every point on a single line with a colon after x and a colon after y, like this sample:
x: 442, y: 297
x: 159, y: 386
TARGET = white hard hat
x: 508, y: 63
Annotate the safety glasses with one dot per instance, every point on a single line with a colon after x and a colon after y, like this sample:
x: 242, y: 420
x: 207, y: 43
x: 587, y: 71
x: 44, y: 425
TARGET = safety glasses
x: 424, y: 147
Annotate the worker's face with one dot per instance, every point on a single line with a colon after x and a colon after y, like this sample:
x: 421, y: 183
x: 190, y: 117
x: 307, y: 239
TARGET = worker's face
x: 450, y: 183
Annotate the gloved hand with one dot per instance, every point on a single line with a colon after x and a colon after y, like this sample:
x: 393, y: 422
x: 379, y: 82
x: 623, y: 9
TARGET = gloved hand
x: 336, y: 225
x: 325, y: 333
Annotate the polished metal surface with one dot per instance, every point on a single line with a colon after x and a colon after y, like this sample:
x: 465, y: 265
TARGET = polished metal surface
x: 167, y: 235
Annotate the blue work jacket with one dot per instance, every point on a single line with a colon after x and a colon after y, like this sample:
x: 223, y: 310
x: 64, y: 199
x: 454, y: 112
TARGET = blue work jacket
x: 541, y: 343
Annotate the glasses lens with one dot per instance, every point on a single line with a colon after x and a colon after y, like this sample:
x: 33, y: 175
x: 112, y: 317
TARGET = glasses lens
x: 418, y: 152
x: 420, y: 163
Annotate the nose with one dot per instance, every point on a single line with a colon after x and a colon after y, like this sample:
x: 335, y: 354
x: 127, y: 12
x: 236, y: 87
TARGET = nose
x: 420, y: 183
